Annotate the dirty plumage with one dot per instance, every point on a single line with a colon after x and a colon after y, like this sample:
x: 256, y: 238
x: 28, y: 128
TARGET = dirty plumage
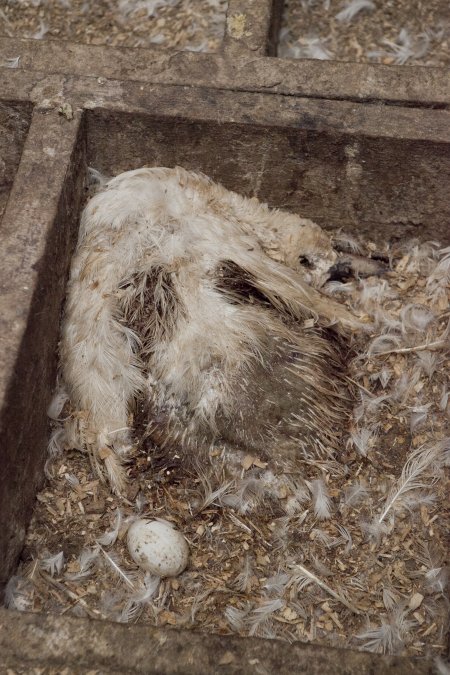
x: 193, y: 300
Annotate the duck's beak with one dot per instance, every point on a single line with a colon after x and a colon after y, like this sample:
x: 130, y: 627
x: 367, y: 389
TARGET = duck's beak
x: 350, y: 265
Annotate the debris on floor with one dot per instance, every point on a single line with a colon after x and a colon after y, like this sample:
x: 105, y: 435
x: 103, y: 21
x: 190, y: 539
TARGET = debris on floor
x: 392, y: 32
x: 195, y: 25
x: 350, y: 551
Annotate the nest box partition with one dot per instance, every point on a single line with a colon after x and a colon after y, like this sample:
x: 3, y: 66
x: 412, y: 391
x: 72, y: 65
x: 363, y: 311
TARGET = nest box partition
x: 359, y: 146
x: 14, y: 122
x: 326, y: 160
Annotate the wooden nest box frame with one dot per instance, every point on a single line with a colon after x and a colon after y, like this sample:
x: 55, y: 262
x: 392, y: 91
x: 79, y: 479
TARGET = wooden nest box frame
x: 366, y: 147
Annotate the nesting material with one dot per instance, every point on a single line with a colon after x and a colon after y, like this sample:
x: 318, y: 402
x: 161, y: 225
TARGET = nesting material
x: 404, y: 32
x: 347, y: 549
x: 195, y: 25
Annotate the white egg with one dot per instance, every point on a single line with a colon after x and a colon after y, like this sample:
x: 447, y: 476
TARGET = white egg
x: 156, y: 546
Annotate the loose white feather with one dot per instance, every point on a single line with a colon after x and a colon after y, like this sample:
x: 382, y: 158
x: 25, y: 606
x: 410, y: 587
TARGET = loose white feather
x: 302, y: 578
x: 299, y: 493
x: 96, y: 178
x: 87, y: 560
x: 441, y: 667
x: 41, y: 32
x: 364, y: 439
x: 418, y: 416
x: 19, y: 594
x: 404, y: 388
x: 390, y: 636
x: 345, y: 538
x: 214, y: 496
x: 276, y: 585
x: 60, y: 398
x: 416, y: 318
x: 353, y: 8
x: 124, y: 575
x: 420, y: 461
x: 236, y: 617
x: 373, y: 293
x: 383, y: 343
x: 436, y: 579
x: 443, y: 402
x: 354, y: 494
x: 53, y: 564
x: 72, y: 479
x: 383, y: 376
x: 258, y: 620
x: 310, y: 47
x: 346, y: 242
x: 429, y: 362
x: 12, y: 62
x: 390, y: 598
x: 247, y: 494
x: 142, y: 595
x: 406, y: 47
x: 109, y: 538
x: 321, y: 499
x: 57, y: 442
x: 322, y: 537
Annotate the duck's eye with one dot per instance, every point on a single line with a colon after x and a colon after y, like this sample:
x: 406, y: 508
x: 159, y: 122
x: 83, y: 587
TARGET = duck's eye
x: 305, y: 261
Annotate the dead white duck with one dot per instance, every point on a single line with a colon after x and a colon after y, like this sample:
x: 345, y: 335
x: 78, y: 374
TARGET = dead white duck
x: 194, y: 299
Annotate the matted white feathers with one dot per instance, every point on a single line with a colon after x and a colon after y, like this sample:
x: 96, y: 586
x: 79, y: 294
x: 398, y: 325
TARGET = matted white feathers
x: 193, y: 299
